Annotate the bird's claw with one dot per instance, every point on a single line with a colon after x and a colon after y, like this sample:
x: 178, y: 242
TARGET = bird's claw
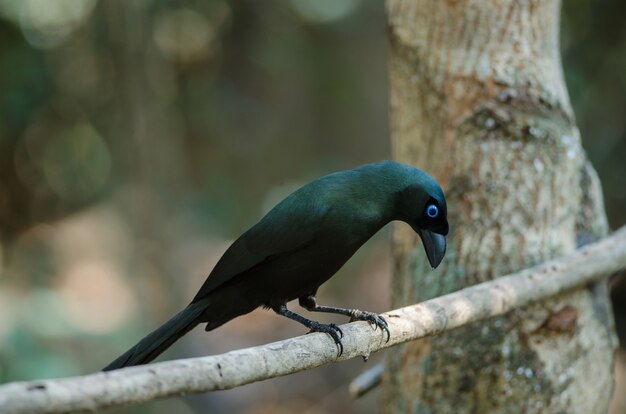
x: 331, y: 329
x: 373, y: 318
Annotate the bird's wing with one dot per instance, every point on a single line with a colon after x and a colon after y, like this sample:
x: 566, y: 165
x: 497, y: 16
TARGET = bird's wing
x: 286, y: 228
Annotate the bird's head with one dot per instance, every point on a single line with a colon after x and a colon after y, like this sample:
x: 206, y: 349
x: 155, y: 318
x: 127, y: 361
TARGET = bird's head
x: 422, y: 205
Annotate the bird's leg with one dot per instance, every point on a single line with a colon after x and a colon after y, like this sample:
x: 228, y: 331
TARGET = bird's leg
x: 331, y: 329
x: 309, y: 303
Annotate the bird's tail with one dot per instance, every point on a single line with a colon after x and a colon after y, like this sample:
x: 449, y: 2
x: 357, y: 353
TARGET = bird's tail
x: 160, y: 339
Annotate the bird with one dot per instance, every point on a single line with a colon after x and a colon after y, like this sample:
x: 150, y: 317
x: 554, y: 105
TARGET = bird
x: 302, y: 242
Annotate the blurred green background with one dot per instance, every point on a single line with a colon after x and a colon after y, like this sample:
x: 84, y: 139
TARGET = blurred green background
x: 139, y: 138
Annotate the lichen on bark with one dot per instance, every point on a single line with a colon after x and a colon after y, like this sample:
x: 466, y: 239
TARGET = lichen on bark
x: 478, y: 100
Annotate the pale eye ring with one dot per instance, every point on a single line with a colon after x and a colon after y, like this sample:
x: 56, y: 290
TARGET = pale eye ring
x: 432, y: 211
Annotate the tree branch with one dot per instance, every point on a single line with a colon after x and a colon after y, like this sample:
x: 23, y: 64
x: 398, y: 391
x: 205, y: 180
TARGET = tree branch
x: 218, y: 372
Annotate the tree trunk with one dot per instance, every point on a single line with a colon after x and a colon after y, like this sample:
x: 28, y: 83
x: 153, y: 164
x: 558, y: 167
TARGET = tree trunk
x: 479, y: 101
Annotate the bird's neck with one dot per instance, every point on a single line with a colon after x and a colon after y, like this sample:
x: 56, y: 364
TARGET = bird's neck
x: 376, y: 192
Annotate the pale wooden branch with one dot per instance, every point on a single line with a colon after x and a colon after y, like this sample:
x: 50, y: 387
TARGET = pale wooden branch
x: 367, y: 381
x: 195, y: 375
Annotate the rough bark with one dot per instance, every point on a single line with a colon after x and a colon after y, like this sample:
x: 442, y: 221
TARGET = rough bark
x: 218, y: 372
x: 479, y: 101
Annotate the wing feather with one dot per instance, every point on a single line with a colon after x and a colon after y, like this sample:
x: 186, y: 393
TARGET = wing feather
x: 287, y: 227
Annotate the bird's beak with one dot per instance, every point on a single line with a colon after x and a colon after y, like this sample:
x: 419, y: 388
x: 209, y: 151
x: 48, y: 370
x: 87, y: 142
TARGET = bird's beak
x: 435, y: 246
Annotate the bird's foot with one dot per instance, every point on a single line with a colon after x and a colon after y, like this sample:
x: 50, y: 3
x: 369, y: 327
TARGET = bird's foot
x: 331, y: 329
x: 371, y: 317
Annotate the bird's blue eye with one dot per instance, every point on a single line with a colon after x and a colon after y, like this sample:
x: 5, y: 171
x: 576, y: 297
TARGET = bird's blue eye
x: 432, y: 211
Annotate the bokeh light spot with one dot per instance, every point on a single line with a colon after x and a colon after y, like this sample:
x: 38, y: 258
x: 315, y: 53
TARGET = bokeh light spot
x: 96, y: 297
x: 47, y: 23
x: 76, y: 163
x: 183, y: 35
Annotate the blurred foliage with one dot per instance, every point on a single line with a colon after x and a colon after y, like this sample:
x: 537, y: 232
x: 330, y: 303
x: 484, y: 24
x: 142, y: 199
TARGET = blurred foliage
x: 138, y: 137
x: 594, y: 58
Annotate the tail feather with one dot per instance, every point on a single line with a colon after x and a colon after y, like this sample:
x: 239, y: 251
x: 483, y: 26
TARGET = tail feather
x: 160, y: 339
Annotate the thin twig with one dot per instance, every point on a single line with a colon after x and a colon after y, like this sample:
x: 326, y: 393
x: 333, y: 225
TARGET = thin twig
x: 218, y: 372
x: 367, y: 380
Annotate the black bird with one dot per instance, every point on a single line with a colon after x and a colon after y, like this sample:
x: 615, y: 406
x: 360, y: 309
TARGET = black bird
x: 300, y: 244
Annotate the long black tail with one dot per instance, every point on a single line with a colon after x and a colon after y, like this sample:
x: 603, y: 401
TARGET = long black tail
x: 162, y: 338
